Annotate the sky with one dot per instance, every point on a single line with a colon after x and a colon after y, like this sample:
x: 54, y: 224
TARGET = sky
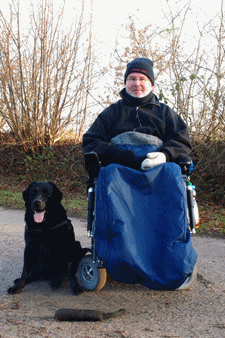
x: 112, y: 14
x: 109, y: 16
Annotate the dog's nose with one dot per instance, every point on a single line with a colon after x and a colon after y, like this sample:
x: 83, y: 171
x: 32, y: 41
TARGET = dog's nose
x: 39, y: 203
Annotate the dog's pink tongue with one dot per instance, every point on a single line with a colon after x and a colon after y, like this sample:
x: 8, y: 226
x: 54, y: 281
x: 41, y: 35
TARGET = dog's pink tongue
x: 39, y: 216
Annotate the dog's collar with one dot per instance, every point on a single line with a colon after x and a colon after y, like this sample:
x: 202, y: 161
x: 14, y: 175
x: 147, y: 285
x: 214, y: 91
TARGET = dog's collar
x: 66, y: 222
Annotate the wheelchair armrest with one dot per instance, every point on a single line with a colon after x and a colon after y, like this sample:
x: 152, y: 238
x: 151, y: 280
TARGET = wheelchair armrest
x: 92, y: 164
x: 185, y: 163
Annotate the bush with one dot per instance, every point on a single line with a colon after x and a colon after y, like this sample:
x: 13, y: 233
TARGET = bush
x: 62, y: 164
x: 209, y: 174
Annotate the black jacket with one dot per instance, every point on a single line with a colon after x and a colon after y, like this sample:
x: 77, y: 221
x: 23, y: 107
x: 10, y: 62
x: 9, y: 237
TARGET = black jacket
x: 152, y: 117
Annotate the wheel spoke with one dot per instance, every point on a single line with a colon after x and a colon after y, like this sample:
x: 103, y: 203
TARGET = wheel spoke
x: 89, y: 276
x: 88, y: 273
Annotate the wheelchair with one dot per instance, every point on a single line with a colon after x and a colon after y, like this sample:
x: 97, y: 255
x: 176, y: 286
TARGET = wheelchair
x: 91, y: 272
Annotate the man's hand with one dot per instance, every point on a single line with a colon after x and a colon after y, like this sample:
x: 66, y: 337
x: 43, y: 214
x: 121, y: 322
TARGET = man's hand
x: 152, y: 160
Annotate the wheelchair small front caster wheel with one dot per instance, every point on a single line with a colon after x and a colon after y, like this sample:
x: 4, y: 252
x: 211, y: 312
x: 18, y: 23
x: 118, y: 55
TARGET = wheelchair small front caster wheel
x: 90, y: 276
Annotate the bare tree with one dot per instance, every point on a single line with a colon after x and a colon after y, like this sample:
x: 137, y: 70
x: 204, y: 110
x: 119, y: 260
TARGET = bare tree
x: 189, y: 76
x: 196, y: 74
x: 216, y: 90
x: 46, y: 74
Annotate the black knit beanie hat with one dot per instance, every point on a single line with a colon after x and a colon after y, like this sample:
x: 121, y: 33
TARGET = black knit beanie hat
x: 141, y: 65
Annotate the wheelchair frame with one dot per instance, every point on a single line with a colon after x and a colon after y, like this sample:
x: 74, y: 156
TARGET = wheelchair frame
x: 91, y: 274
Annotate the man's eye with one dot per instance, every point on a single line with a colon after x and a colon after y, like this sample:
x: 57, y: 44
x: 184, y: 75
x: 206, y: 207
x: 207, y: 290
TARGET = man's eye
x: 141, y: 79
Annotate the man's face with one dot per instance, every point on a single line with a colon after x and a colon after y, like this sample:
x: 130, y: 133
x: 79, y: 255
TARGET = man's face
x: 138, y: 85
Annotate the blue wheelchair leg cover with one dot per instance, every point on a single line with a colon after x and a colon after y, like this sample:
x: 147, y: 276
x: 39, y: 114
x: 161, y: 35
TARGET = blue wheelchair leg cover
x: 141, y: 228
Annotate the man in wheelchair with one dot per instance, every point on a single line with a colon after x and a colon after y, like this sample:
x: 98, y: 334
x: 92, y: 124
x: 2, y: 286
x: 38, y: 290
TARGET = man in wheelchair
x: 138, y: 110
x: 141, y: 228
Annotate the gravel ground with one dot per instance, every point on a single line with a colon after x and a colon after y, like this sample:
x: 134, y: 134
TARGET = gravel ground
x: 198, y: 312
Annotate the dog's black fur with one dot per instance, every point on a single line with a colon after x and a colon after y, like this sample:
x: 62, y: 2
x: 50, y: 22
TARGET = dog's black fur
x: 51, y: 251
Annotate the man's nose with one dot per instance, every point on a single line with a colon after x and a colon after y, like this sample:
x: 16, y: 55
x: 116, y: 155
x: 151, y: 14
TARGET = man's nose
x: 137, y: 81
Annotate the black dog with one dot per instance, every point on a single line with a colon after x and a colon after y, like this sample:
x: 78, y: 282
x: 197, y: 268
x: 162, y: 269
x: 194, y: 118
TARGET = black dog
x: 51, y: 252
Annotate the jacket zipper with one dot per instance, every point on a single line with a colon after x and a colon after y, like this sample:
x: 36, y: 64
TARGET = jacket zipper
x: 137, y: 116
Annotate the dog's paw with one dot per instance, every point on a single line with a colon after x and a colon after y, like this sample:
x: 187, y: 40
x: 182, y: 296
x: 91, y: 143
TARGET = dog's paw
x: 13, y: 290
x: 16, y: 281
x: 17, y: 287
x: 77, y: 292
x: 76, y: 288
x: 55, y: 283
x: 54, y: 286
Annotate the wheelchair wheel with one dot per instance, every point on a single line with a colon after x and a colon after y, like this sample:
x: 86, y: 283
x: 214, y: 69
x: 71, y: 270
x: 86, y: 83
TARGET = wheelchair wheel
x: 190, y: 280
x: 90, y: 276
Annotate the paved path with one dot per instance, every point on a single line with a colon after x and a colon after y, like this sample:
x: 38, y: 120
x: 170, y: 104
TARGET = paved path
x: 211, y: 251
x: 199, y: 312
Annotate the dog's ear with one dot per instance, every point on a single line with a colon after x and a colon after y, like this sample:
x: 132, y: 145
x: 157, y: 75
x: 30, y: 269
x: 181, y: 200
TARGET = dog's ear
x: 26, y: 192
x: 56, y: 192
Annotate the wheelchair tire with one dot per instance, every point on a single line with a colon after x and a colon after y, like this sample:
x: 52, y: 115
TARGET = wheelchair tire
x: 89, y: 275
x: 189, y: 281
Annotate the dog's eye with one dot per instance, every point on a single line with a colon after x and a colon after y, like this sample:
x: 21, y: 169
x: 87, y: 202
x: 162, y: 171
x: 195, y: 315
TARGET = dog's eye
x: 46, y: 192
x: 34, y: 192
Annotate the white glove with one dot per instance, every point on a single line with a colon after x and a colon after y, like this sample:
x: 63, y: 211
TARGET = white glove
x: 152, y: 160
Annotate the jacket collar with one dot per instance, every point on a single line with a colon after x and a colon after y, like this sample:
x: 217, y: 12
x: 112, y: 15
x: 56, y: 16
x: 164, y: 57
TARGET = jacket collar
x: 133, y: 102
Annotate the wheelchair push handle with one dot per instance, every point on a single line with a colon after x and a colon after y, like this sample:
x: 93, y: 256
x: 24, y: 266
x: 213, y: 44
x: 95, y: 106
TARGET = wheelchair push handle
x: 186, y: 164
